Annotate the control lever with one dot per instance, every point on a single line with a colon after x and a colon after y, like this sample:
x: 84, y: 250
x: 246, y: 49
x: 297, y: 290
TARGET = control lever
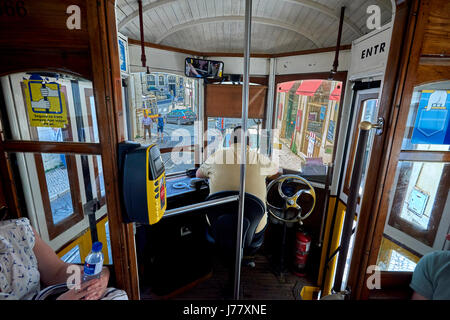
x: 197, y: 182
x: 191, y: 173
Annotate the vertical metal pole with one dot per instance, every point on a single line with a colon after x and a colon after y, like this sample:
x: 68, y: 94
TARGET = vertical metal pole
x: 245, y: 90
x: 141, y: 27
x: 338, y: 42
x: 270, y: 107
x: 330, y: 167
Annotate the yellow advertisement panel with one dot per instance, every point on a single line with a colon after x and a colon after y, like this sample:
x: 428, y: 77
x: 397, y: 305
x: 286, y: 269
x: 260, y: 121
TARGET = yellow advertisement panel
x: 46, y: 104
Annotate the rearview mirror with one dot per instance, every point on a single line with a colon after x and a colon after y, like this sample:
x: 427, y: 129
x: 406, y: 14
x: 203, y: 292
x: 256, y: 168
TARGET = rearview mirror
x: 200, y: 68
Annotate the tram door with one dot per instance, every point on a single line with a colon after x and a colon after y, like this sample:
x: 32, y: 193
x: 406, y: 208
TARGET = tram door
x: 364, y: 108
x: 416, y: 198
x: 410, y: 212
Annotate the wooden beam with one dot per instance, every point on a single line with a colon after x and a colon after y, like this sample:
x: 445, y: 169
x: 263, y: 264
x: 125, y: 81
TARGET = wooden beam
x: 311, y: 51
x: 239, y: 55
x: 163, y: 47
x: 51, y: 147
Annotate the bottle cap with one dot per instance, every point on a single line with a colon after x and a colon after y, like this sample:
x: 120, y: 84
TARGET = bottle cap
x: 97, y: 246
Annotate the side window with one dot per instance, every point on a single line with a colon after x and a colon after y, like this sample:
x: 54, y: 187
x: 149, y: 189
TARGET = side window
x: 151, y: 80
x: 306, y: 121
x: 178, y: 139
x: 220, y: 131
x: 55, y: 109
x: 419, y: 216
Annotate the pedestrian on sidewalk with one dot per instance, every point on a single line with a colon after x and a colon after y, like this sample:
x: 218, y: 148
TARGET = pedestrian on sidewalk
x: 147, y: 126
x: 160, y: 129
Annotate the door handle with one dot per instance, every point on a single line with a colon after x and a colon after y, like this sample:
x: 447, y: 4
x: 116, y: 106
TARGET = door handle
x: 379, y: 126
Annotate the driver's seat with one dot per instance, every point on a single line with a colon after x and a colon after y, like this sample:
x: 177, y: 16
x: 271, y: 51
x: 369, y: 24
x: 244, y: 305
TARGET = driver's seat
x: 223, y: 224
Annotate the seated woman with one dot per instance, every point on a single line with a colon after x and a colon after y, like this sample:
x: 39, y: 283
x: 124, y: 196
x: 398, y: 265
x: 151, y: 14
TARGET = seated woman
x: 431, y: 277
x: 26, y: 262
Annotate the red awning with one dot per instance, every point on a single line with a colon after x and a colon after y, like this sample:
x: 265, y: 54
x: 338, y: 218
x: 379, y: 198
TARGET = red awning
x: 285, y: 86
x: 308, y: 87
x: 336, y: 94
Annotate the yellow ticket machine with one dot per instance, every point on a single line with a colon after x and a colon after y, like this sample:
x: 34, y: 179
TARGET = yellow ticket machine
x: 143, y: 182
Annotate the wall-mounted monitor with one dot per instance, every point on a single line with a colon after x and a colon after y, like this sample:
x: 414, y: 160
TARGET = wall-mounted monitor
x: 200, y: 68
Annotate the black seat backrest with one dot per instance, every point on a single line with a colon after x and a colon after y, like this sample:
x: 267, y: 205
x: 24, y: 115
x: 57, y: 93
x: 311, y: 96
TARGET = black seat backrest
x: 254, y: 210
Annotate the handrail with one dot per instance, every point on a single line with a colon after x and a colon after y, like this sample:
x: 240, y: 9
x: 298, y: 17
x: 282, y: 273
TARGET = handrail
x: 202, y: 205
x: 245, y: 103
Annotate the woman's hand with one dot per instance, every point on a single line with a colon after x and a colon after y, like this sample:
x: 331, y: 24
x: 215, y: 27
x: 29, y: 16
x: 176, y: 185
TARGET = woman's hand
x: 96, y: 288
x: 91, y: 290
x: 75, y: 294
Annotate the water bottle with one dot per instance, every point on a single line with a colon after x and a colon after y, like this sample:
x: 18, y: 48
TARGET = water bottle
x: 93, y: 263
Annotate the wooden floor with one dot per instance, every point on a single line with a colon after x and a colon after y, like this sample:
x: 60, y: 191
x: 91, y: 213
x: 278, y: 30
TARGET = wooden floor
x: 258, y: 283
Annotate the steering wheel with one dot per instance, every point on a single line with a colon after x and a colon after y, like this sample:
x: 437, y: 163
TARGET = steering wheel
x: 291, y: 201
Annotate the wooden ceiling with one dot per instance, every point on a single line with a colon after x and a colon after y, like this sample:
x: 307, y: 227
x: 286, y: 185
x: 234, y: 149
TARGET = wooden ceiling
x: 218, y: 25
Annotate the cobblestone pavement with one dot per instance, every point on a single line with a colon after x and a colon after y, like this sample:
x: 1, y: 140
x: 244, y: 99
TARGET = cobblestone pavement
x: 290, y: 160
x: 57, y: 182
x: 62, y: 207
x: 59, y: 193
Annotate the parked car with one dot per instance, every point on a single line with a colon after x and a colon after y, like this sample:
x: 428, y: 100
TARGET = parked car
x: 181, y: 117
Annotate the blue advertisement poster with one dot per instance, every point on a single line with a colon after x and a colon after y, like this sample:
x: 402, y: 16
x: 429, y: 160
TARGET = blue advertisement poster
x: 330, y: 133
x: 432, y: 120
x: 122, y: 56
x: 323, y: 111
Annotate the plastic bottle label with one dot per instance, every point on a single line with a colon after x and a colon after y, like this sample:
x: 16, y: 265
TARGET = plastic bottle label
x: 92, y: 269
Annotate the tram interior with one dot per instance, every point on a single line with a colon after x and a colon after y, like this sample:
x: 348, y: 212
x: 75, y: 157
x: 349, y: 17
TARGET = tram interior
x: 317, y: 71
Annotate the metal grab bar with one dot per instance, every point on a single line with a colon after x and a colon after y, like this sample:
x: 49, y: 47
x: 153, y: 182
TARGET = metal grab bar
x: 206, y: 204
x: 244, y: 118
x: 352, y: 200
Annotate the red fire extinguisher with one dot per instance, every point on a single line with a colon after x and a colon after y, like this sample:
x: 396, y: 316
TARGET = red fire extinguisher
x: 302, y: 245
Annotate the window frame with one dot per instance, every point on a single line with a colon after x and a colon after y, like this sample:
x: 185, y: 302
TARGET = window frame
x: 339, y: 76
x: 151, y: 80
x: 163, y: 80
x: 55, y: 229
x: 426, y: 236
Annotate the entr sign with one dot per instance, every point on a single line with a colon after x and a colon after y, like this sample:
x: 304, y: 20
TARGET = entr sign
x: 373, y: 50
x: 369, y: 54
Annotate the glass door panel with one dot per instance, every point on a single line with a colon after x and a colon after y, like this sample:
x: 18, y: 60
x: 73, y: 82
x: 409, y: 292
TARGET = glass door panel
x: 367, y: 111
x: 306, y: 125
x: 418, y: 217
x: 427, y: 127
x: 50, y: 107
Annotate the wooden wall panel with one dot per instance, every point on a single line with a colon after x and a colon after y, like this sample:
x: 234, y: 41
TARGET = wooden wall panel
x: 436, y: 40
x: 423, y: 33
x: 35, y: 36
x: 223, y: 100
